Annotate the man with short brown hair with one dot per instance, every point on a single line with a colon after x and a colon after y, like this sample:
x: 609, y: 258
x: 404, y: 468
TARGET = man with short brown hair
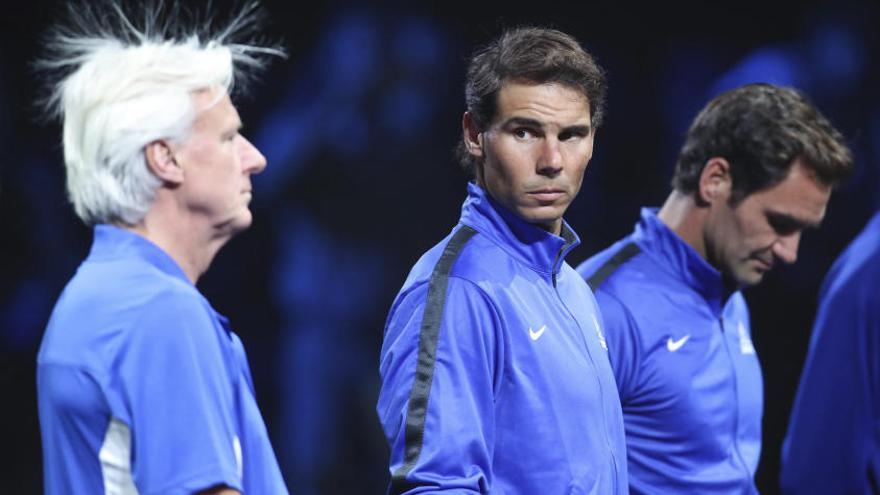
x: 495, y: 376
x: 756, y: 169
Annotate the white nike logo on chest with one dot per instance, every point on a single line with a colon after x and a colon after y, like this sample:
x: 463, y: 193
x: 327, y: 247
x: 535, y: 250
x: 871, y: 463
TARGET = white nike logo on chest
x: 537, y: 335
x: 674, y: 345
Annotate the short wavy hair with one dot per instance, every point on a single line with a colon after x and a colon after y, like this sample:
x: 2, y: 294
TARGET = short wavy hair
x: 535, y: 55
x: 119, y: 83
x: 760, y: 129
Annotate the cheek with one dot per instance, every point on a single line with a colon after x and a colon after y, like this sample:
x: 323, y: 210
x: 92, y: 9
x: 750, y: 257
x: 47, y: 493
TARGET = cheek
x: 508, y: 163
x: 576, y: 165
x: 579, y: 167
x: 752, y: 234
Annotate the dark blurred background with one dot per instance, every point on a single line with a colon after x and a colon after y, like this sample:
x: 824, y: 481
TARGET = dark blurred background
x: 358, y: 126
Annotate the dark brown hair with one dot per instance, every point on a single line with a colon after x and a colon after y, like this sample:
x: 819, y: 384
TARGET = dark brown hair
x: 534, y: 55
x: 760, y: 129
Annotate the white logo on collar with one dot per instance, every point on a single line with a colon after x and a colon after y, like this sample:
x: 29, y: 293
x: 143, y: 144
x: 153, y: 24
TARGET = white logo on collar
x: 674, y: 345
x: 537, y: 335
x: 745, y: 342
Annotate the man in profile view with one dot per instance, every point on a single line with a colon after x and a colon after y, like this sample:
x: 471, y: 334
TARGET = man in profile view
x: 142, y: 386
x: 756, y: 169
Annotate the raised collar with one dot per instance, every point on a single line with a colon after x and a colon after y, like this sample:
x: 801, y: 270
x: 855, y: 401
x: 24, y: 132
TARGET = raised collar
x: 113, y: 243
x: 680, y: 259
x: 528, y: 244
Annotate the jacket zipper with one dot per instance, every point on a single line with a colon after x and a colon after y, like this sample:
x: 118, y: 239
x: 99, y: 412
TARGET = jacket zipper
x: 589, y: 357
x: 736, y: 396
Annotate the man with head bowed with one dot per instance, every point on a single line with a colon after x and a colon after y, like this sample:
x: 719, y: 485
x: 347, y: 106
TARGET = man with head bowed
x: 756, y: 169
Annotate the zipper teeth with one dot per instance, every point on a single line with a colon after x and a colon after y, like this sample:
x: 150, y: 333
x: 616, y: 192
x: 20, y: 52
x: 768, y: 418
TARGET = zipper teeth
x: 589, y: 357
x: 736, y: 397
x: 592, y: 362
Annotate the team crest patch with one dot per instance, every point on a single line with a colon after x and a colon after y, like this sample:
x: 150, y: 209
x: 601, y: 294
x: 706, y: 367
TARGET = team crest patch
x: 599, y: 333
x: 745, y: 342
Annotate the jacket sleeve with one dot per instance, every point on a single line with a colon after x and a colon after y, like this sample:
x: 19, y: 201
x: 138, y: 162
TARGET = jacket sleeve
x: 440, y: 364
x: 624, y: 347
x: 831, y: 445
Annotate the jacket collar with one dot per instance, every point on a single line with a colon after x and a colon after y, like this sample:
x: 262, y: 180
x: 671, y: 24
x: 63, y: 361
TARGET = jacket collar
x: 528, y: 244
x: 113, y: 243
x: 680, y: 259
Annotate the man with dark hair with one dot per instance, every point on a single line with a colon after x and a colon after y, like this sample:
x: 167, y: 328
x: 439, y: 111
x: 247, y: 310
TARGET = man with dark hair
x: 833, y: 442
x: 495, y: 374
x: 756, y: 169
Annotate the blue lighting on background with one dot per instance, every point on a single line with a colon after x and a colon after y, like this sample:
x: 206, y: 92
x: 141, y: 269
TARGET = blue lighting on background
x: 775, y: 65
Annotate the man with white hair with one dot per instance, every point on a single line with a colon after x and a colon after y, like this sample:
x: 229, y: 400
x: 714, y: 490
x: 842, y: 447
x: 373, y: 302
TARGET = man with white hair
x: 142, y: 386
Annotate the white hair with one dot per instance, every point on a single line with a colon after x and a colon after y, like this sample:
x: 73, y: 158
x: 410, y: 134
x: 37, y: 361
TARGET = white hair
x: 125, y: 87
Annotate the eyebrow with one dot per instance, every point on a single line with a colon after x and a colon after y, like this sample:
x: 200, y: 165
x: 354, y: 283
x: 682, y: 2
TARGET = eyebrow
x: 789, y: 221
x: 527, y: 122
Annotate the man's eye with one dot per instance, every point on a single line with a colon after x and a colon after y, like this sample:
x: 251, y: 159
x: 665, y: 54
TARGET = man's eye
x: 782, y: 225
x: 523, y: 133
x: 569, y: 135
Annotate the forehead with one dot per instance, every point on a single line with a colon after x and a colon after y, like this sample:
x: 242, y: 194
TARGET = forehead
x: 800, y: 195
x: 214, y: 109
x: 547, y: 102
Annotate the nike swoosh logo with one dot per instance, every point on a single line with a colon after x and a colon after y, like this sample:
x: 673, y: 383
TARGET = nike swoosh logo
x: 537, y: 335
x: 674, y: 345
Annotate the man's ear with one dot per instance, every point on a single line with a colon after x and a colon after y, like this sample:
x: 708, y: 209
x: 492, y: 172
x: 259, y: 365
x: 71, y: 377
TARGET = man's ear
x: 473, y: 135
x: 716, y: 182
x: 162, y: 163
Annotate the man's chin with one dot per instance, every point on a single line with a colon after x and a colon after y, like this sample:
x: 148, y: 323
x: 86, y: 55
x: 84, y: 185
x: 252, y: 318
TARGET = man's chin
x: 545, y: 222
x: 542, y: 214
x: 235, y: 225
x: 242, y: 224
x: 750, y: 278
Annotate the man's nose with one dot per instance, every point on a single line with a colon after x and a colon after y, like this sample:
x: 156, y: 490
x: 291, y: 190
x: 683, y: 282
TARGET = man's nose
x: 550, y: 162
x: 785, y: 248
x: 252, y: 160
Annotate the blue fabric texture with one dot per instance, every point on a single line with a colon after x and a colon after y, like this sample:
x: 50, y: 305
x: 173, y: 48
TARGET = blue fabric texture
x: 132, y: 340
x: 689, y: 380
x: 833, y: 441
x: 522, y: 399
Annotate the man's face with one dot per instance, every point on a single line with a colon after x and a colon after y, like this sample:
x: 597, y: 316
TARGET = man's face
x: 745, y: 241
x: 217, y: 164
x: 535, y: 151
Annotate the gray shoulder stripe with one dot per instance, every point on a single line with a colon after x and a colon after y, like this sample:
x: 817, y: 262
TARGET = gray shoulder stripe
x: 607, y: 268
x: 417, y: 410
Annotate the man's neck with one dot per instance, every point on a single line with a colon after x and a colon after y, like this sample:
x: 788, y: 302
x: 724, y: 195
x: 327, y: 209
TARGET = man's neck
x: 684, y: 217
x: 191, y: 244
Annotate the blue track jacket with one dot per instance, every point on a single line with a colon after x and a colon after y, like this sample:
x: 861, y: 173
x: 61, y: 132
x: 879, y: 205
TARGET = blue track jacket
x: 833, y: 443
x: 495, y: 373
x: 689, y: 380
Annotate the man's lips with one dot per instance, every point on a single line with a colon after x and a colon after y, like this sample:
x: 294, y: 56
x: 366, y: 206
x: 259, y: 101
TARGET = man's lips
x: 547, y: 195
